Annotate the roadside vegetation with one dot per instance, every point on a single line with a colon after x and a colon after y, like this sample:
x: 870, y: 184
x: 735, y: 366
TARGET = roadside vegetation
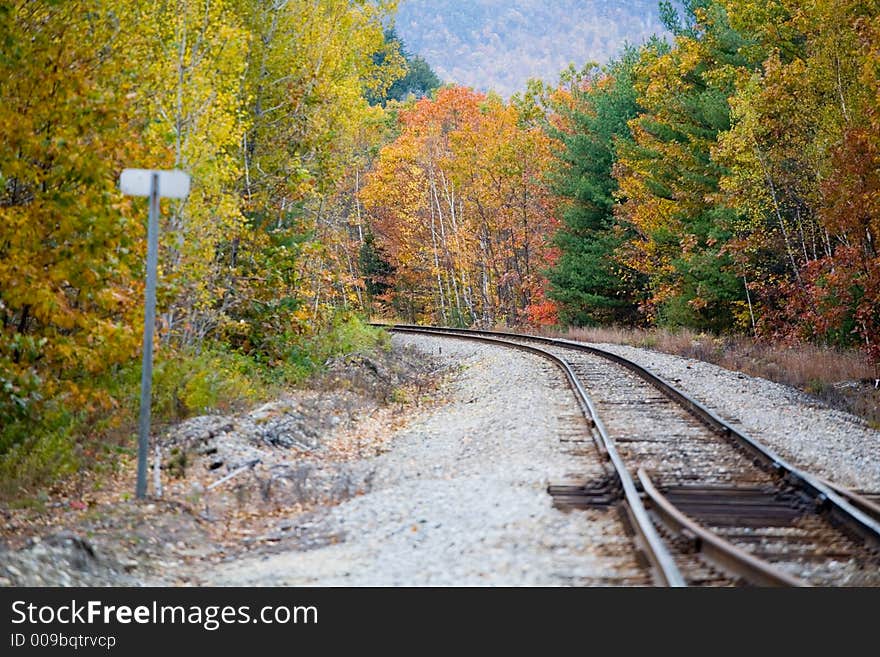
x: 61, y: 436
x: 275, y: 110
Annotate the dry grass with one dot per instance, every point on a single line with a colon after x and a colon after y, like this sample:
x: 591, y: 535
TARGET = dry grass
x: 842, y: 379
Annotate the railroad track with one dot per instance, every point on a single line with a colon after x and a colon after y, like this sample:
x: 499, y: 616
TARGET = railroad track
x: 708, y: 504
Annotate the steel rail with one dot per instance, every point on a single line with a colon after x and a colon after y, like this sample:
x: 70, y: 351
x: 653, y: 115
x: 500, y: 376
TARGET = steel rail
x: 858, y: 500
x: 841, y: 505
x: 665, y: 570
x: 722, y: 553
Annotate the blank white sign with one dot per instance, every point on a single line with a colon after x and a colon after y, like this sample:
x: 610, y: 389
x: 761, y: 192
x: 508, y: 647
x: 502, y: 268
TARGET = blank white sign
x: 137, y: 182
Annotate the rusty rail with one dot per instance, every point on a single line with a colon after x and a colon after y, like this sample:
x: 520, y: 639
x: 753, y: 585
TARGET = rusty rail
x: 844, y: 506
x: 854, y: 511
x: 720, y: 552
x: 663, y: 565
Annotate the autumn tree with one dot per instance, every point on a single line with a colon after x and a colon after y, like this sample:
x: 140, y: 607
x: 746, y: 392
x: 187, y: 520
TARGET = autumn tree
x: 668, y: 180
x: 69, y: 256
x: 802, y: 156
x: 459, y: 208
x: 309, y: 67
x: 263, y: 103
x: 191, y: 91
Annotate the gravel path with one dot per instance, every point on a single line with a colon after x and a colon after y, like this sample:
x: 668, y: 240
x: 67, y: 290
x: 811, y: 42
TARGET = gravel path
x: 460, y: 499
x: 801, y: 429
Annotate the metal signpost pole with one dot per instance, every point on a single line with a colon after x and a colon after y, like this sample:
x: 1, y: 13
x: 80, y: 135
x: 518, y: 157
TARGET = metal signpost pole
x: 149, y: 324
x: 147, y: 182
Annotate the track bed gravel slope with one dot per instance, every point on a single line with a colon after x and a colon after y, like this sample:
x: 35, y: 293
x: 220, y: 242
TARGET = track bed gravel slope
x: 460, y: 498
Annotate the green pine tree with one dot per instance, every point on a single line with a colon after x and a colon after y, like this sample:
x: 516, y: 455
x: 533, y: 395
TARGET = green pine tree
x: 588, y: 282
x: 420, y: 79
x: 375, y: 268
x: 670, y: 179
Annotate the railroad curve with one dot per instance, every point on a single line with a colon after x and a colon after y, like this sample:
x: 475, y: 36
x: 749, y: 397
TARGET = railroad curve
x: 709, y: 505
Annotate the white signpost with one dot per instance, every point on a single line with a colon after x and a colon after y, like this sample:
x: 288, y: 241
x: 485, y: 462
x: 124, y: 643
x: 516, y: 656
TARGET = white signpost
x: 154, y: 184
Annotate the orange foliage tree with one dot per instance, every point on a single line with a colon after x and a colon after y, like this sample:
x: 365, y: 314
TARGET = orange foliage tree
x: 458, y: 205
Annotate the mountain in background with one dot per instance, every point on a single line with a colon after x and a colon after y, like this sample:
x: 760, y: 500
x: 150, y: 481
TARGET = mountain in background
x: 499, y: 44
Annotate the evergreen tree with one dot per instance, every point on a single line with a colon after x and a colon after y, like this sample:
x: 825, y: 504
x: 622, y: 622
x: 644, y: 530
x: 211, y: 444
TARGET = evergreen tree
x: 669, y: 182
x: 375, y: 269
x: 588, y: 282
x: 419, y: 81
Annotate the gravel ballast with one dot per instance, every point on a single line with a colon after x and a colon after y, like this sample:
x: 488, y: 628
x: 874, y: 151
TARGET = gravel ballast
x: 800, y: 428
x: 460, y: 498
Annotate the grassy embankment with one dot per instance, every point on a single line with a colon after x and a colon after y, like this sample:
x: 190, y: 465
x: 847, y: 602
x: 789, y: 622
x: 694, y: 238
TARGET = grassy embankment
x: 62, y: 438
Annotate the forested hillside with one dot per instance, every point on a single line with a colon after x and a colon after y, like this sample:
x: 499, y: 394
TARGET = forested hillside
x: 499, y: 44
x: 746, y: 174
